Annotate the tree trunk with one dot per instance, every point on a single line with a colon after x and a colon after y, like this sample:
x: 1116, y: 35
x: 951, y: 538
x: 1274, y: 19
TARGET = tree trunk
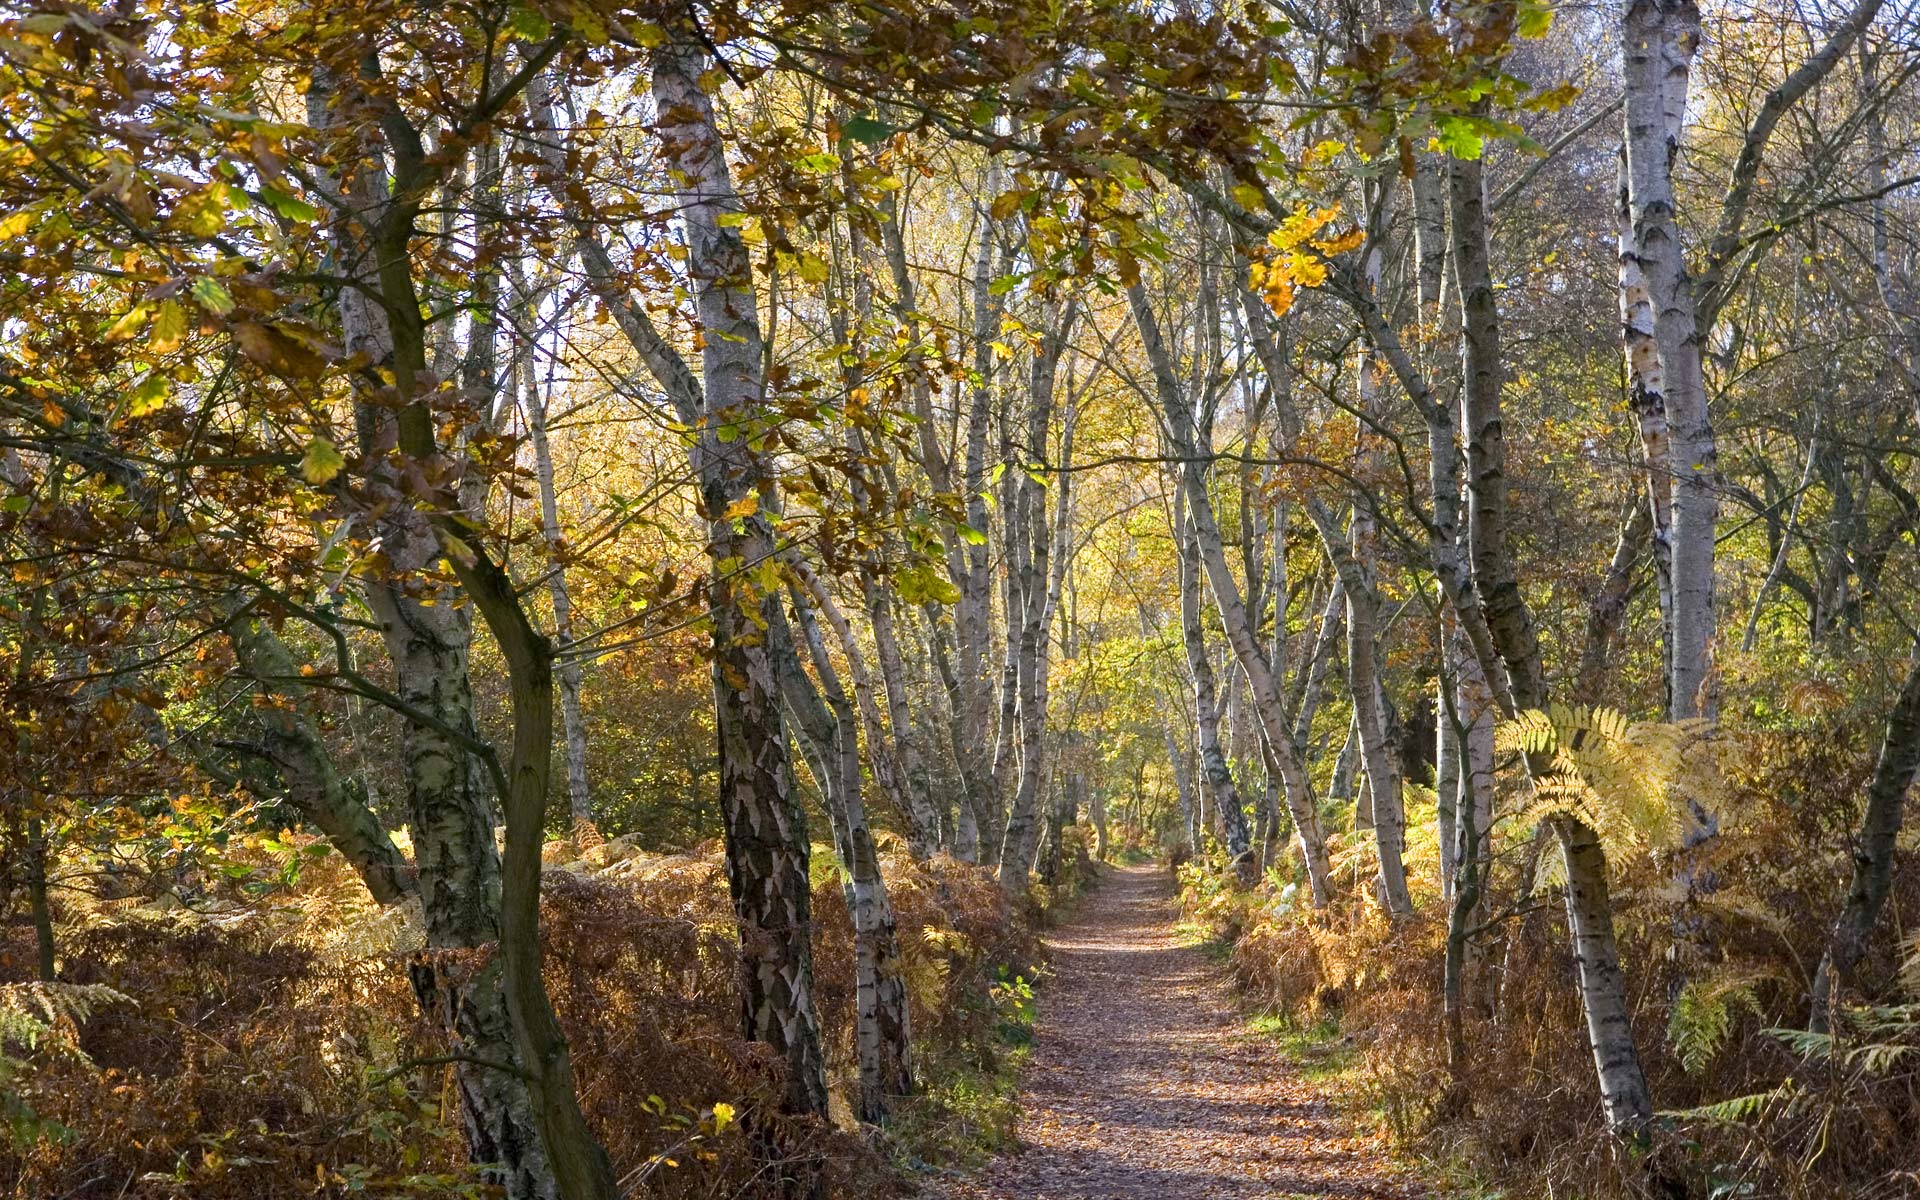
x: 1488, y: 511
x: 40, y: 911
x: 1213, y: 760
x: 449, y: 810
x: 1369, y: 710
x: 1608, y: 611
x: 311, y: 783
x: 1623, y: 1087
x: 1268, y: 707
x: 1658, y: 41
x: 1874, y: 850
x: 573, y: 727
x: 1446, y: 759
x: 1035, y: 569
x: 579, y: 1164
x: 882, y: 1026
x: 765, y: 826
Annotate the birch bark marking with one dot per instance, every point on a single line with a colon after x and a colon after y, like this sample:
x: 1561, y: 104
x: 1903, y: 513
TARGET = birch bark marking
x: 1377, y: 752
x: 1035, y: 569
x: 883, y: 1045
x: 1603, y: 993
x: 765, y: 825
x: 449, y: 810
x: 1481, y: 372
x: 1658, y: 40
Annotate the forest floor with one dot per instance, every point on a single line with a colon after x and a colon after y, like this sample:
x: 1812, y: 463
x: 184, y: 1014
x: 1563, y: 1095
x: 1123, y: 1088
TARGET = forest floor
x: 1147, y: 1081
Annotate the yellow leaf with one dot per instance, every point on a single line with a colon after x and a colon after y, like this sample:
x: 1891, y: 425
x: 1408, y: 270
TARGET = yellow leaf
x: 15, y: 224
x: 321, y: 462
x: 129, y: 324
x: 149, y: 395
x: 1350, y: 240
x: 169, y: 328
x: 746, y: 506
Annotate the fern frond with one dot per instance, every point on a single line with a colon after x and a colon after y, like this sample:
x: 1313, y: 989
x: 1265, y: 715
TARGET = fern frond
x: 1628, y: 780
x: 1736, y: 1111
x: 48, y: 1016
x: 1703, y: 1017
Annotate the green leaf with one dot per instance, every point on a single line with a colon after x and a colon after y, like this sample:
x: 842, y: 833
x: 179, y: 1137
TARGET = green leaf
x: 149, y: 395
x: 1535, y: 20
x: 971, y: 536
x: 818, y: 163
x: 867, y: 131
x: 1458, y: 137
x: 212, y: 295
x: 529, y: 23
x: 293, y: 208
x: 321, y: 462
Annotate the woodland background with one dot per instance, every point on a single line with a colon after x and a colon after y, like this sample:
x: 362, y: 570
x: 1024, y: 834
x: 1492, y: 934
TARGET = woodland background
x: 583, y: 576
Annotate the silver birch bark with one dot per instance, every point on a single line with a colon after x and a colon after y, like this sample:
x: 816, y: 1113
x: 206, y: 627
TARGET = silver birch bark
x: 923, y: 823
x: 1658, y: 40
x: 1603, y: 993
x: 1482, y: 373
x: 886, y: 768
x: 450, y: 809
x: 765, y: 828
x: 1446, y: 756
x: 883, y: 1046
x: 1034, y: 572
x: 765, y: 825
x: 573, y: 725
x: 1369, y: 710
x: 1214, y: 769
x: 964, y: 671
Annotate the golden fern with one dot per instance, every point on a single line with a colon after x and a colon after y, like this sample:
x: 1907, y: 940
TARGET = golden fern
x: 48, y: 1016
x: 1628, y: 780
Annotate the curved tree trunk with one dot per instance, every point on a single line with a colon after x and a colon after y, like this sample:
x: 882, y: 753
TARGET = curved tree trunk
x: 1623, y: 1086
x: 450, y: 813
x: 1874, y: 850
x: 1267, y: 701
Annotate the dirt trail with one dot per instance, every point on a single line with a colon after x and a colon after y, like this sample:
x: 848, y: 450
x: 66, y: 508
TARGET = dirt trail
x: 1144, y: 1081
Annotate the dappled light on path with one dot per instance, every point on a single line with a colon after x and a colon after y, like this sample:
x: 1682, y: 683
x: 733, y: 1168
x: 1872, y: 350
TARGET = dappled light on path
x: 1146, y: 1083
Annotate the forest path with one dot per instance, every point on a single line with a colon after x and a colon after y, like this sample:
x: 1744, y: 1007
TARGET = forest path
x: 1146, y: 1082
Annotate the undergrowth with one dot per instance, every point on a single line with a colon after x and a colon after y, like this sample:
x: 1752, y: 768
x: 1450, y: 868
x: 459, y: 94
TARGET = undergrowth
x: 1753, y: 1108
x: 235, y: 1034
